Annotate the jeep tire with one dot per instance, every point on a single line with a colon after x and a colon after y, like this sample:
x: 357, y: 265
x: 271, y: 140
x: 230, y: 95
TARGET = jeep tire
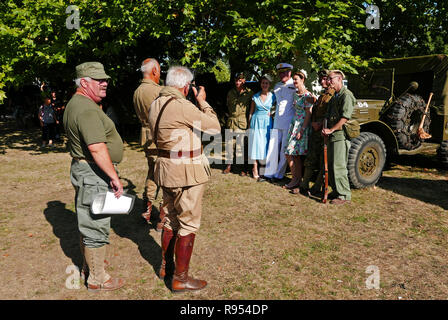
x: 366, y: 160
x: 404, y: 118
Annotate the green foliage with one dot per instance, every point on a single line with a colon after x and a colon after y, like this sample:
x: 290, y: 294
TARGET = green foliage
x: 221, y: 71
x: 37, y: 45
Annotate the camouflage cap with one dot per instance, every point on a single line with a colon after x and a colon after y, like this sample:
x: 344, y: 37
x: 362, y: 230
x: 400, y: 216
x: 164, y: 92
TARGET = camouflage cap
x: 94, y: 70
x: 239, y: 75
x: 323, y: 73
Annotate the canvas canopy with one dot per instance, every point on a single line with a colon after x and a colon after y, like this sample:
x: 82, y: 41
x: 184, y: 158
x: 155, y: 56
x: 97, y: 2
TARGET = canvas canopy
x: 429, y: 71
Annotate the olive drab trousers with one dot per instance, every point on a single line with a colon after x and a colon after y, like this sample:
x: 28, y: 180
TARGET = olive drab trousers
x: 337, y: 165
x: 88, y: 181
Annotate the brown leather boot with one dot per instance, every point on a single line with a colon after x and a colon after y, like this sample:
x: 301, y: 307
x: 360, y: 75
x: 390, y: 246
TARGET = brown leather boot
x: 147, y: 214
x: 181, y: 281
x: 162, y: 219
x: 98, y: 279
x: 168, y: 242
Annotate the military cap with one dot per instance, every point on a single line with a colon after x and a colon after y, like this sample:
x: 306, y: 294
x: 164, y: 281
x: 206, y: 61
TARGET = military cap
x: 239, y: 75
x: 283, y: 67
x: 94, y: 70
x: 323, y: 73
x: 337, y: 71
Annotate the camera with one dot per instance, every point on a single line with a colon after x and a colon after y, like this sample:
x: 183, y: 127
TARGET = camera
x: 191, y: 96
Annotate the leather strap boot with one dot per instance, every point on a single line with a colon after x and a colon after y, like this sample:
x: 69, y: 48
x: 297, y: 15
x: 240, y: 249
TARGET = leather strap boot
x: 98, y: 279
x: 168, y: 241
x: 162, y: 219
x: 147, y: 214
x: 84, y: 274
x: 181, y: 281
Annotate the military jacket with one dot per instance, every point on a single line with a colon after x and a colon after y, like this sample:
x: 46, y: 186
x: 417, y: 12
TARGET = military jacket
x: 340, y: 106
x: 284, y: 94
x: 238, y: 105
x: 180, y: 129
x: 144, y: 95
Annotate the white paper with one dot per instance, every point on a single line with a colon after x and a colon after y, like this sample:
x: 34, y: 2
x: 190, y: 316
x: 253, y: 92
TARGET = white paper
x: 106, y: 203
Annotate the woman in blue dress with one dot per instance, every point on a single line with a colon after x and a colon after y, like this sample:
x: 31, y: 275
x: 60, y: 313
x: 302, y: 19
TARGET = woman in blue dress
x: 260, y: 124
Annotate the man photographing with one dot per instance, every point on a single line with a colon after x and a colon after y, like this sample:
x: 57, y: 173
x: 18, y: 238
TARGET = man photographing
x: 181, y: 169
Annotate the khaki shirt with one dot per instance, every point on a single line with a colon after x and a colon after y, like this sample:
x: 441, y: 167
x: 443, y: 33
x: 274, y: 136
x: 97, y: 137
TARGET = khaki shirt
x: 238, y: 104
x: 180, y: 129
x: 144, y: 95
x: 340, y: 106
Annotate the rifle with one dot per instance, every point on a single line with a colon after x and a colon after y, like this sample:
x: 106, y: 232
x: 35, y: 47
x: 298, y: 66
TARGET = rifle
x: 421, y: 132
x: 325, y: 186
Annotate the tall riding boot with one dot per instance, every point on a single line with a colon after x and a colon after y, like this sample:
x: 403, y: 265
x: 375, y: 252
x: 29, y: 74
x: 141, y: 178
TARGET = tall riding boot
x: 147, y: 214
x: 98, y: 279
x: 162, y: 219
x: 181, y: 280
x: 168, y: 241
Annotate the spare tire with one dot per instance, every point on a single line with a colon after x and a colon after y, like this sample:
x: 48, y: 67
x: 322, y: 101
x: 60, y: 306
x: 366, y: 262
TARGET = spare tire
x: 404, y: 118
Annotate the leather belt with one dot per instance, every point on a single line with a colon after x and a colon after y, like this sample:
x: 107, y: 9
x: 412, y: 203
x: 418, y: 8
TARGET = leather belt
x: 90, y: 161
x: 178, y: 154
x: 83, y: 159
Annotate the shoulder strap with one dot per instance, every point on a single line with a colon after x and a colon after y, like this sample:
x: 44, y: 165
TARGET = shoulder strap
x: 156, y: 128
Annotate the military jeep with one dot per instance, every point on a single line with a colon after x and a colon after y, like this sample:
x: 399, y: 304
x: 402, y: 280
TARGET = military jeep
x: 391, y: 102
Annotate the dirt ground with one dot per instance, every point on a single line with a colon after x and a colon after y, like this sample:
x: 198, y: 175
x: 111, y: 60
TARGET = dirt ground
x: 256, y: 241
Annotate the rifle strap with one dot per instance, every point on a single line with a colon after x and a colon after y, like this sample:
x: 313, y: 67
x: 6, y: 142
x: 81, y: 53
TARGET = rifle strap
x: 156, y: 127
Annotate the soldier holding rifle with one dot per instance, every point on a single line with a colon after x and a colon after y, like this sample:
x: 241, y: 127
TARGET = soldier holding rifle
x: 340, y: 109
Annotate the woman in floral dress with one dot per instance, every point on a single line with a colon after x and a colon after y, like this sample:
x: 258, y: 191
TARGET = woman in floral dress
x: 299, y: 129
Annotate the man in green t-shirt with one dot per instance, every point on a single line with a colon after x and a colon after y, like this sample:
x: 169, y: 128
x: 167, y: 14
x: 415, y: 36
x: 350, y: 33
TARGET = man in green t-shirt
x: 96, y: 148
x: 339, y: 111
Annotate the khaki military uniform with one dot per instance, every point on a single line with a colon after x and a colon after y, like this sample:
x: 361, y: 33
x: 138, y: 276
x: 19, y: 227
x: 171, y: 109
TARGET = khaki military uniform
x: 315, y: 157
x: 144, y: 95
x: 340, y: 106
x: 237, y: 105
x: 181, y: 169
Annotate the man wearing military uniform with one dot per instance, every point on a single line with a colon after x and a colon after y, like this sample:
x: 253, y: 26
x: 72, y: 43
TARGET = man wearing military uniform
x: 314, y: 160
x: 284, y: 93
x: 96, y: 149
x: 339, y: 111
x: 144, y: 95
x: 181, y: 169
x: 238, y: 104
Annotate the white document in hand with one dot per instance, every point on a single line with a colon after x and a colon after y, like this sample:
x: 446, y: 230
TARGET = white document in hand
x: 107, y: 203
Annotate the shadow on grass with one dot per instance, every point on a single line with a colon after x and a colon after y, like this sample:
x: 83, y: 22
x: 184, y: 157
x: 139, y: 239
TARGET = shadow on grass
x: 426, y: 190
x: 25, y: 139
x: 136, y: 229
x: 65, y: 227
x: 132, y: 226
